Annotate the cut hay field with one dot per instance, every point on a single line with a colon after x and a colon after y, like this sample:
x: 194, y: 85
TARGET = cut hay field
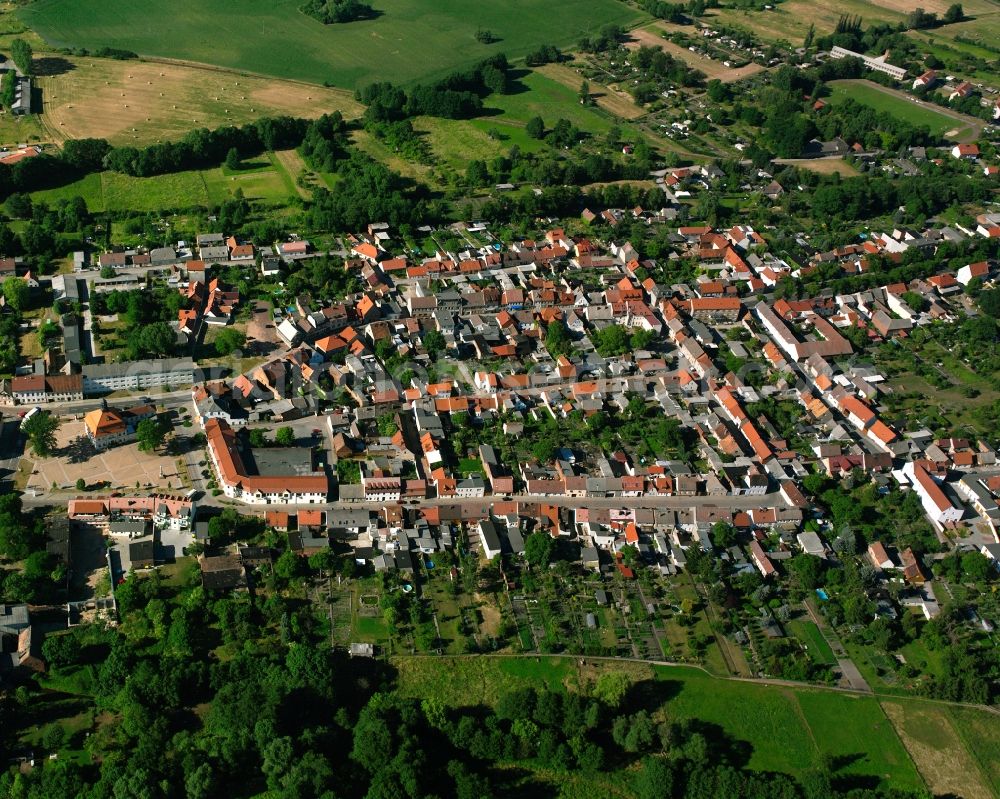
x: 409, y: 41
x: 942, y: 122
x: 776, y: 728
x: 140, y: 102
x: 267, y: 178
x: 938, y: 739
x: 822, y: 166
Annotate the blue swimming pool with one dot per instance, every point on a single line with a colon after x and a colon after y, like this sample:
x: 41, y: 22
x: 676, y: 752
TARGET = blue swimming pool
x: 822, y: 594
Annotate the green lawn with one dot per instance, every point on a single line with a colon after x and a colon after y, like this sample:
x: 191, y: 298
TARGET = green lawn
x: 907, y: 110
x: 409, y: 41
x: 810, y: 635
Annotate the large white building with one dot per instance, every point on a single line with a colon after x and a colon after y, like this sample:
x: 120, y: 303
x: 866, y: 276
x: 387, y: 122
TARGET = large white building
x: 236, y: 481
x: 99, y: 378
x: 937, y: 506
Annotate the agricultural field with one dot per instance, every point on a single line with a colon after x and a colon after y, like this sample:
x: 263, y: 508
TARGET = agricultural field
x: 409, y: 40
x: 946, y: 124
x: 139, y: 102
x: 264, y: 178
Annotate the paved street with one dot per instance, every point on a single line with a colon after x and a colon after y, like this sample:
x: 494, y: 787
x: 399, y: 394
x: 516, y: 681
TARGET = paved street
x: 477, y: 505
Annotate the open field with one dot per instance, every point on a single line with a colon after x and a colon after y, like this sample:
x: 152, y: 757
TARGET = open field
x: 812, y: 637
x: 652, y: 37
x: 822, y: 166
x: 409, y: 41
x: 942, y: 122
x: 935, y: 745
x: 789, y: 729
x: 139, y: 102
x: 266, y: 178
x: 613, y: 101
x: 777, y: 728
x: 790, y: 20
x: 21, y: 129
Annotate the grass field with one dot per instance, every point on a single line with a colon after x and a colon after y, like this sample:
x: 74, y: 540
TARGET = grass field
x: 133, y: 102
x: 956, y: 127
x: 409, y: 41
x: 266, y: 178
x: 454, y: 142
x: 790, y: 20
x: 936, y: 745
x: 780, y: 729
x: 979, y: 734
x: 614, y: 102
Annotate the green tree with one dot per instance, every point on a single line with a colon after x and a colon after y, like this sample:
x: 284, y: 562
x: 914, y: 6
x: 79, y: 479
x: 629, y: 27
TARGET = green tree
x: 434, y: 343
x: 285, y: 437
x: 229, y: 340
x: 233, y: 159
x: 611, y: 688
x: 108, y: 272
x: 612, y: 340
x: 150, y: 433
x: 288, y: 566
x: 61, y: 650
x: 81, y: 484
x: 538, y: 549
x: 41, y: 432
x: 915, y: 300
x: 23, y: 56
x: 16, y: 292
x: 808, y: 570
x: 535, y: 127
x: 989, y: 301
x: 955, y: 13
x: 557, y: 340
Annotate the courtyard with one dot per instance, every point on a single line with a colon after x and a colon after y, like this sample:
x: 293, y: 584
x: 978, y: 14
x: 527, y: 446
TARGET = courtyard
x: 118, y: 468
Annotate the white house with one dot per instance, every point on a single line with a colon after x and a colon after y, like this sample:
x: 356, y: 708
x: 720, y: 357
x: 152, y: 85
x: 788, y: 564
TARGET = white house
x: 937, y: 506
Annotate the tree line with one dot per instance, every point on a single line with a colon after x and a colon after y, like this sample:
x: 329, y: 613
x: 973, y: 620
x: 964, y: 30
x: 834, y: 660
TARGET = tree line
x: 457, y: 96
